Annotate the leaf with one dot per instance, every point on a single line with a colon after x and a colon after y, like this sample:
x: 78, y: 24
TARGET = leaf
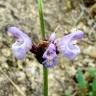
x: 90, y: 94
x: 82, y: 83
x: 94, y: 87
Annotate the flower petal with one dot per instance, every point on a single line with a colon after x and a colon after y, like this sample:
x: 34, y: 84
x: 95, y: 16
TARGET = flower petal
x: 19, y: 51
x: 22, y: 45
x: 77, y: 35
x: 50, y: 51
x: 50, y: 56
x: 17, y: 33
x: 66, y: 44
x: 71, y: 51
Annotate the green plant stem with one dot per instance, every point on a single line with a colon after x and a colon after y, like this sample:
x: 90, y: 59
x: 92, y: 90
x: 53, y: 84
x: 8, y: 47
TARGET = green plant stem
x: 45, y: 78
x: 41, y: 18
x: 45, y: 70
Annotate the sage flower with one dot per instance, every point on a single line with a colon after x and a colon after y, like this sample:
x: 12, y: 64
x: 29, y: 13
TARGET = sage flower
x: 46, y: 52
x: 23, y: 43
x: 67, y: 45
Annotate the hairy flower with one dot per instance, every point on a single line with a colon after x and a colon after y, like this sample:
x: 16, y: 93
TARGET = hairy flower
x: 23, y: 43
x: 50, y: 56
x: 68, y: 46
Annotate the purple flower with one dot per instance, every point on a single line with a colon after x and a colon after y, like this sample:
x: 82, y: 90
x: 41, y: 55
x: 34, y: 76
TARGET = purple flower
x: 67, y: 44
x: 22, y: 45
x: 50, y: 56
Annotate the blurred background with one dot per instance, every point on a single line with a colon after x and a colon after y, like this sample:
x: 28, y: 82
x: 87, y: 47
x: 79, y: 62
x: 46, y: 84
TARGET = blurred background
x: 62, y: 16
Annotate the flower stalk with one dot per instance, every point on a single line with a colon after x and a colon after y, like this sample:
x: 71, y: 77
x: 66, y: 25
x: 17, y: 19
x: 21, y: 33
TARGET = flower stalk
x: 42, y: 26
x: 45, y: 70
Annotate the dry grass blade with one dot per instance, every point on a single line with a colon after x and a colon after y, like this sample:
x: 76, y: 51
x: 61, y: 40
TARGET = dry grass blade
x: 16, y: 86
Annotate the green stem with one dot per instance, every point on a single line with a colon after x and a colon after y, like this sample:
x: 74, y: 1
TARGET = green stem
x: 41, y: 18
x: 45, y: 78
x: 45, y: 70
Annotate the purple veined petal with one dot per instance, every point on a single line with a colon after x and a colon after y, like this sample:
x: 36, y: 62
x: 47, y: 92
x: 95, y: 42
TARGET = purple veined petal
x: 23, y: 43
x: 52, y: 37
x: 66, y: 44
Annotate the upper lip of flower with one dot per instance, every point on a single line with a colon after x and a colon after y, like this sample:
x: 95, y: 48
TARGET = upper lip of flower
x: 71, y: 38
